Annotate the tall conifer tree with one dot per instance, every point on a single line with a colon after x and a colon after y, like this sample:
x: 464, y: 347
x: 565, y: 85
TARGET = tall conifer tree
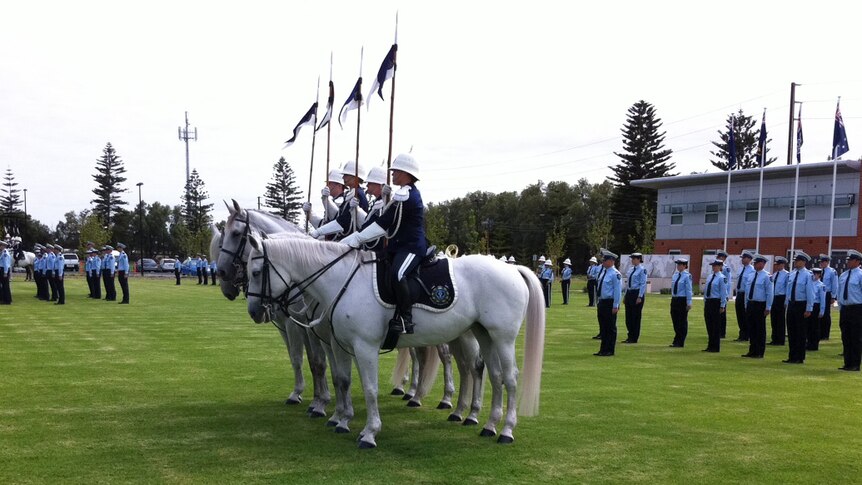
x: 745, y: 138
x: 108, y: 177
x: 282, y: 195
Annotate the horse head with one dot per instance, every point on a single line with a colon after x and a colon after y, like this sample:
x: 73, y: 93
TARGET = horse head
x: 265, y: 284
x: 232, y: 250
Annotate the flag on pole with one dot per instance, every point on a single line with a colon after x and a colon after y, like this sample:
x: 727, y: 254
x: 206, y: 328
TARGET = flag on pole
x: 761, y: 143
x: 839, y: 136
x: 799, y: 137
x: 329, y: 103
x: 386, y: 72
x: 731, y: 147
x: 354, y: 101
x: 310, y: 118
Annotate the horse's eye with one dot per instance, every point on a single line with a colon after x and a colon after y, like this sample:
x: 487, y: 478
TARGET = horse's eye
x: 234, y: 233
x: 255, y: 273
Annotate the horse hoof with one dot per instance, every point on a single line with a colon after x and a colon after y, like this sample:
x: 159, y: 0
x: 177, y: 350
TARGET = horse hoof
x: 293, y: 401
x: 364, y: 445
x: 316, y: 414
x: 444, y: 405
x: 505, y: 440
x: 414, y: 404
x: 341, y: 430
x: 331, y: 424
x: 309, y: 410
x: 454, y: 418
x: 397, y: 392
x: 470, y: 422
x: 407, y: 397
x: 487, y: 433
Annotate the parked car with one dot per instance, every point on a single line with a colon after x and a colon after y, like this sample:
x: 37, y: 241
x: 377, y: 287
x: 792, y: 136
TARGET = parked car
x: 167, y: 265
x: 149, y: 265
x: 71, y: 262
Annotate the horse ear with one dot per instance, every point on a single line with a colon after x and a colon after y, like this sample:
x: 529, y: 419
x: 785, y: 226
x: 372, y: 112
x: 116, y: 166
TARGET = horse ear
x: 215, y: 229
x: 255, y: 243
x: 236, y: 205
x: 229, y: 208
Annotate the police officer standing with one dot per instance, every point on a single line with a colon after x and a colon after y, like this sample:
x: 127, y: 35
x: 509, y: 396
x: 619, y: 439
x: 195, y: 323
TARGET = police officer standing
x: 634, y: 298
x: 758, y: 302
x: 830, y: 282
x: 108, y: 269
x: 680, y: 302
x: 96, y: 274
x: 778, y: 313
x: 800, y: 303
x: 59, y: 270
x: 213, y: 271
x: 123, y: 272
x: 812, y: 339
x: 609, y: 293
x: 850, y: 312
x: 741, y: 284
x: 5, y: 274
x: 566, y: 279
x: 728, y: 275
x: 546, y: 278
x: 592, y: 275
x: 178, y: 268
x: 541, y: 265
x: 49, y: 271
x: 714, y: 305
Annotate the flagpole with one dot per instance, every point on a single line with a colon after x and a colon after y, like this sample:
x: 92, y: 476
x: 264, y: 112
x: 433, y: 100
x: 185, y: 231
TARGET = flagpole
x: 834, y: 181
x: 795, y: 197
x: 760, y: 193
x: 730, y: 158
x: 358, y: 121
x: 313, y: 139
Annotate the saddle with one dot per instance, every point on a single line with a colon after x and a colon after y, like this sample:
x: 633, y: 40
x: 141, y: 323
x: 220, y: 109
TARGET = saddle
x: 432, y: 285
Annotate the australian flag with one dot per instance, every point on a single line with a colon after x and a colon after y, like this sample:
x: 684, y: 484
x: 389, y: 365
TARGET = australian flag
x: 839, y: 136
x: 761, y: 143
x: 329, y: 103
x: 310, y: 118
x: 386, y: 72
x: 731, y: 147
x: 354, y: 101
x: 799, y: 137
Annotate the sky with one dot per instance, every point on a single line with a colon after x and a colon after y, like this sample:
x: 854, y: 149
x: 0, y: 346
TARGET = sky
x: 490, y: 96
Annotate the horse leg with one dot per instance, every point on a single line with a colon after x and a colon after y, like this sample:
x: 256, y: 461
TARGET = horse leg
x: 492, y: 363
x: 472, y: 357
x: 341, y: 370
x: 367, y: 362
x: 399, y: 372
x: 317, y: 364
x: 464, y: 381
x: 448, y: 379
x: 506, y: 354
x: 293, y: 342
x: 414, y: 375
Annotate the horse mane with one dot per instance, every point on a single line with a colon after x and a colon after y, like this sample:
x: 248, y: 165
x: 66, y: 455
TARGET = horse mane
x: 309, y: 252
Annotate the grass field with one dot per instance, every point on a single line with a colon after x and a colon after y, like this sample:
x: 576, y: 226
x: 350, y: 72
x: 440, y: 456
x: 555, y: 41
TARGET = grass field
x: 181, y: 387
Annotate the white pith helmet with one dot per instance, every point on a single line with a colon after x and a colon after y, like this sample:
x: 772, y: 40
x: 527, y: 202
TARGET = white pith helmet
x: 406, y: 163
x: 568, y: 261
x: 511, y: 259
x: 503, y: 258
x: 542, y: 258
x: 335, y: 176
x: 377, y: 175
x: 350, y: 169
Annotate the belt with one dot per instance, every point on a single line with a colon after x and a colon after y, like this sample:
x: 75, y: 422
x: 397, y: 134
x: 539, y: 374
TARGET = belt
x: 675, y: 297
x: 633, y: 289
x: 606, y: 299
x: 851, y: 305
x: 764, y: 301
x: 712, y: 299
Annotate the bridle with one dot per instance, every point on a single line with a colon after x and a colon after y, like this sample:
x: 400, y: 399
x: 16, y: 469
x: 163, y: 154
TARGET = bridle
x: 243, y: 240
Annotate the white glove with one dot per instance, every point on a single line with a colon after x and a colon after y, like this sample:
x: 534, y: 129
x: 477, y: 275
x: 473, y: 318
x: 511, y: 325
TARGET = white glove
x: 352, y: 241
x: 332, y: 227
x: 354, y: 202
x: 370, y: 233
x: 306, y: 207
x: 324, y: 192
x: 314, y: 233
x: 386, y: 190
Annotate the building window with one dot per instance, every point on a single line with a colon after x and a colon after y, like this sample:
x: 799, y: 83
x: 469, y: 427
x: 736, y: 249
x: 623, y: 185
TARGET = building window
x: 711, y: 214
x: 676, y: 215
x: 674, y: 251
x: 751, y: 212
x: 709, y: 252
x: 800, y: 210
x: 842, y: 211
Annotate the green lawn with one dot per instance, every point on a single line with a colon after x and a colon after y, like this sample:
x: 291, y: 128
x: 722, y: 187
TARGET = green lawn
x: 181, y: 387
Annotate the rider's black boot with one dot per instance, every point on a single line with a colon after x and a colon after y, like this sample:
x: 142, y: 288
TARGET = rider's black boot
x: 403, y: 319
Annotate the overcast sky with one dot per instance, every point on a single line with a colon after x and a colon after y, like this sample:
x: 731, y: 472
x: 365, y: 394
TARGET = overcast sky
x: 490, y: 96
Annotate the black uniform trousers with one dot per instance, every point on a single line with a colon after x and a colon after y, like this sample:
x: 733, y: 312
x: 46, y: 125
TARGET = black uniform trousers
x: 97, y: 285
x: 607, y: 325
x: 778, y: 320
x: 723, y: 325
x: 546, y: 290
x: 812, y: 337
x: 6, y: 289
x: 826, y: 321
x: 591, y: 291
x: 850, y: 322
x: 61, y: 289
x: 712, y: 317
x: 123, y: 278
x: 564, y: 285
x: 796, y: 330
x: 740, y: 316
x: 110, y: 289
x: 213, y: 278
x: 200, y: 276
x: 633, y: 315
x: 41, y: 285
x: 205, y: 275
x: 52, y: 283
x: 177, y: 273
x: 755, y: 320
x: 679, y: 317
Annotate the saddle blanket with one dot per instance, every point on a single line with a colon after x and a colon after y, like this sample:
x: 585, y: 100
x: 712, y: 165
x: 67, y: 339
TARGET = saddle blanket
x: 437, y: 293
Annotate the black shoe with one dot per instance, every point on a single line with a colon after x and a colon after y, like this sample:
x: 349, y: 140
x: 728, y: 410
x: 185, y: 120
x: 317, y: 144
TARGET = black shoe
x: 712, y: 351
x: 124, y: 303
x: 60, y: 303
x: 675, y: 345
x: 851, y: 369
x: 597, y: 337
x: 792, y: 361
x: 740, y: 339
x: 603, y: 354
x: 629, y: 341
x: 749, y: 355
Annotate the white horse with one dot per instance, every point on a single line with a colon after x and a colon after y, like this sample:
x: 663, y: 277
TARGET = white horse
x: 494, y: 299
x: 295, y: 337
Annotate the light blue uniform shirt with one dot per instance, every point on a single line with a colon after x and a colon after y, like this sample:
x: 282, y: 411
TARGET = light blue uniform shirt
x: 779, y: 282
x: 744, y: 273
x: 566, y: 274
x: 97, y: 263
x: 108, y: 264
x: 37, y: 264
x: 681, y: 282
x: 59, y: 265
x: 611, y: 285
x: 123, y: 262
x: 213, y: 267
x: 716, y: 288
x: 830, y: 280
x: 819, y: 294
x: 593, y: 271
x: 728, y: 275
x: 763, y: 291
x: 637, y: 279
x: 49, y: 263
x: 547, y: 274
x: 804, y: 288
x: 5, y: 262
x: 854, y: 287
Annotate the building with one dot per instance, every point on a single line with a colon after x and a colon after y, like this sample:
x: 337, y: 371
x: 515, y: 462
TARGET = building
x: 690, y: 217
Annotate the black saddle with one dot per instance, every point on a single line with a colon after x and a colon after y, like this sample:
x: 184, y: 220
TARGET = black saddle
x: 431, y: 284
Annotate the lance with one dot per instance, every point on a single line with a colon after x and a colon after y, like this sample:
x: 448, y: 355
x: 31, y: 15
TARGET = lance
x: 313, y: 139
x: 329, y: 123
x: 392, y: 101
x: 358, y: 118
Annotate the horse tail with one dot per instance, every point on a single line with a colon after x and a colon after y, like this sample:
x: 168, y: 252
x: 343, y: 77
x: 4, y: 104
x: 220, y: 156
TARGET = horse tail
x: 534, y: 345
x: 428, y: 371
x: 401, y: 364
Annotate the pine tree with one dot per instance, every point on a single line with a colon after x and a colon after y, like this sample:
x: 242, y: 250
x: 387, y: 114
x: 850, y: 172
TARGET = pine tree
x: 195, y: 212
x: 10, y: 200
x: 108, y: 177
x: 644, y: 156
x: 282, y: 195
x: 745, y: 137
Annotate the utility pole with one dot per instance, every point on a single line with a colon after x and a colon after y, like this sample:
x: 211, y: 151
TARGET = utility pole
x: 790, y: 136
x: 185, y: 135
x: 141, y: 226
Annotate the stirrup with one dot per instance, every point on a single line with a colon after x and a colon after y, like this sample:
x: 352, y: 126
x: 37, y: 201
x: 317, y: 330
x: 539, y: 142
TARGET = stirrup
x: 398, y: 325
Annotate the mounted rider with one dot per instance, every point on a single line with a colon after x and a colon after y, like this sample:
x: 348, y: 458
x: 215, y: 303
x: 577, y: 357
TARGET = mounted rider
x: 403, y: 223
x: 377, y: 189
x: 329, y: 194
x: 354, y: 203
